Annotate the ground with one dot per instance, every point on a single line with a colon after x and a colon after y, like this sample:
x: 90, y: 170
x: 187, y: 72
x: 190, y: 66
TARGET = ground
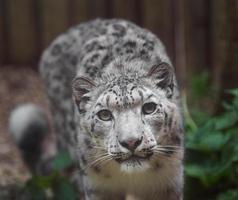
x: 17, y: 85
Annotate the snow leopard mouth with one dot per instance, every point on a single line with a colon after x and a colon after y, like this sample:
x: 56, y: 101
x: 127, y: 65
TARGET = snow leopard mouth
x: 134, y: 158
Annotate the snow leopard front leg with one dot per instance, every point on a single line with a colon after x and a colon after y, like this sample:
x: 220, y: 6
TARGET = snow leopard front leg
x: 91, y: 193
x: 85, y: 152
x: 174, y: 194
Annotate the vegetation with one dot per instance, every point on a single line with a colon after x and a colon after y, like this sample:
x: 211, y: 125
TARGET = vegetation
x: 56, y: 186
x: 211, y: 163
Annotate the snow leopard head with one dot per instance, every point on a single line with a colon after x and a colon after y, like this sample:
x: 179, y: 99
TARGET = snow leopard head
x: 130, y: 116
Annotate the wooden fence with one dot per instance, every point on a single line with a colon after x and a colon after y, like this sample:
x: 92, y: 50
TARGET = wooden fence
x: 198, y: 34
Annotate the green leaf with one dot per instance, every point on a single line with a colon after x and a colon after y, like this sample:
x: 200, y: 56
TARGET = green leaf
x: 38, y: 195
x: 196, y: 171
x: 212, y: 153
x: 41, y: 182
x: 230, y: 151
x: 226, y: 120
x: 64, y: 191
x: 62, y: 161
x: 228, y: 106
x: 209, y: 172
x: 37, y: 186
x: 233, y: 92
x: 229, y: 195
x: 208, y: 141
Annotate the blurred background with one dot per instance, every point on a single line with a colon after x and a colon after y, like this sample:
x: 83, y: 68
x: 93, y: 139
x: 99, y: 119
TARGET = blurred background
x: 201, y: 37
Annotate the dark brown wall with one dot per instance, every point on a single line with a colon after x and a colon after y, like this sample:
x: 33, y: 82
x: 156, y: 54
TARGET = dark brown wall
x: 201, y: 34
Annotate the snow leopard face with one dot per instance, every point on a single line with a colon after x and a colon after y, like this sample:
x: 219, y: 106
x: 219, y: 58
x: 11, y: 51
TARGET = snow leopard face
x: 128, y: 118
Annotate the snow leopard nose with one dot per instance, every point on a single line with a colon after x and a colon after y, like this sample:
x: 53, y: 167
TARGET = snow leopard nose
x: 131, y: 144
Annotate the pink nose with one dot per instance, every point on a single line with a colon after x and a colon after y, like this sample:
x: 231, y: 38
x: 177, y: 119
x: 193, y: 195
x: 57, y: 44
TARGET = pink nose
x: 131, y: 144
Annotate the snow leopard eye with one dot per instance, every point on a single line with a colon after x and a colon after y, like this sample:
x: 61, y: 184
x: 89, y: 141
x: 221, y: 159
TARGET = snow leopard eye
x: 148, y: 108
x: 104, y: 115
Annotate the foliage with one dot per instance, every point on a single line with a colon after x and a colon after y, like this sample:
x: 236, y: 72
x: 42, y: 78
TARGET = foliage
x: 212, y: 155
x: 55, y: 185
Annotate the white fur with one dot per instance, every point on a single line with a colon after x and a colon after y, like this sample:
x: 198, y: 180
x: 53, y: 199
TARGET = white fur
x: 145, y: 182
x: 23, y: 116
x: 133, y: 166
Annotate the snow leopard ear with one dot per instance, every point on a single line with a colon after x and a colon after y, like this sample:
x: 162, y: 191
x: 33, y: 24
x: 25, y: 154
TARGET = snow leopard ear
x: 163, y: 75
x: 81, y: 86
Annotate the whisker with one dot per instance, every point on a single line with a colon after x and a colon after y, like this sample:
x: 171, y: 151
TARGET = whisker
x: 162, y: 152
x: 96, y: 155
x: 98, y: 147
x: 170, y: 146
x: 98, y: 160
x: 101, y: 162
x: 166, y: 153
x: 167, y: 150
x: 166, y: 156
x: 104, y: 161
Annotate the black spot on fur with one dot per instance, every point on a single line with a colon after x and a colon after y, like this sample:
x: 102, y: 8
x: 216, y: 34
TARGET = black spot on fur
x: 120, y: 30
x: 92, y: 127
x: 157, y: 166
x: 166, y: 118
x: 170, y: 122
x: 88, y: 143
x: 84, y: 161
x: 141, y: 95
x: 72, y: 125
x: 129, y: 44
x: 97, y: 169
x: 91, y: 70
x: 56, y: 50
x: 128, y: 51
x: 176, y: 139
x: 107, y: 100
x: 149, y: 45
x: 73, y: 60
x: 93, y: 46
x: 94, y: 58
x: 114, y: 92
x: 102, y: 31
x: 133, y: 87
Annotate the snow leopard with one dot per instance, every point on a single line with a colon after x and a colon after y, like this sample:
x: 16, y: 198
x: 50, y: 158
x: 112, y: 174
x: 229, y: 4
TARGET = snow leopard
x: 116, y: 108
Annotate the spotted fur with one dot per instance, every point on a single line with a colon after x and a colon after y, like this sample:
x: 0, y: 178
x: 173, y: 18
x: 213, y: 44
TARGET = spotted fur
x: 115, y: 67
